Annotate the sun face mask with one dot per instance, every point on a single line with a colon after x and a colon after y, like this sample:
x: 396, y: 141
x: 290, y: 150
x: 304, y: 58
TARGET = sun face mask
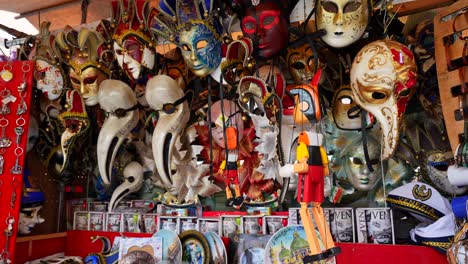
x: 383, y: 78
x: 301, y: 63
x: 133, y: 42
x: 344, y: 20
x: 201, y: 49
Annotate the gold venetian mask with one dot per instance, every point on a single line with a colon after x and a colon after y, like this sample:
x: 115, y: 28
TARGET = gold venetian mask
x: 301, y: 63
x: 344, y: 20
x: 87, y: 83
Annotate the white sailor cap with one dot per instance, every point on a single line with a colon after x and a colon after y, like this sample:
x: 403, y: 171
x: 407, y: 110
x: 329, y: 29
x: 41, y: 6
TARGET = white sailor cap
x: 421, y: 200
x: 438, y: 234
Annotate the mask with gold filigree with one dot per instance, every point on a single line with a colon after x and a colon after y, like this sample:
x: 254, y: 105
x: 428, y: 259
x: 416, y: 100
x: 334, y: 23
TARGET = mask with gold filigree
x: 133, y: 42
x: 266, y: 23
x: 194, y: 27
x: 383, y: 79
x: 301, y: 63
x: 88, y: 56
x: 346, y: 113
x: 76, y: 122
x: 48, y: 73
x: 344, y: 20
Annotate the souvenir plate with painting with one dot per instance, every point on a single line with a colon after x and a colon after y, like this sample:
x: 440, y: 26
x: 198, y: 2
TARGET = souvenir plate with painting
x: 171, y: 247
x: 217, y: 248
x: 195, y: 247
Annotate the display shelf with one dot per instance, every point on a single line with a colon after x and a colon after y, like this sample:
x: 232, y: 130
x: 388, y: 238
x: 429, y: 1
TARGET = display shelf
x: 35, y: 247
x: 78, y: 243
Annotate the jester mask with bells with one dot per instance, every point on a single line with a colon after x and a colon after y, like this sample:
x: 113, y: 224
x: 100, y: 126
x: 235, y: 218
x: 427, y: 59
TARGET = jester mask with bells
x: 345, y: 21
x: 165, y: 96
x: 76, y: 123
x: 118, y: 100
x: 88, y: 56
x: 49, y: 73
x: 383, y: 79
x: 133, y: 42
x: 266, y: 23
x: 196, y: 31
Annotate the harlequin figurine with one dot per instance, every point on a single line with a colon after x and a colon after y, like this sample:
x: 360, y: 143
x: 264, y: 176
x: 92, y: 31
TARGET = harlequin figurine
x: 311, y: 167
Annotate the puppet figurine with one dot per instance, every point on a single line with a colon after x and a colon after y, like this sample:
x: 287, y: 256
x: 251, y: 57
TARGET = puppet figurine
x: 311, y: 167
x: 229, y: 168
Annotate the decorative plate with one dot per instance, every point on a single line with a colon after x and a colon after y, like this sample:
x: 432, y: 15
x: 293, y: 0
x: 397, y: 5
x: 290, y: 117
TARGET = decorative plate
x: 289, y: 245
x: 171, y: 247
x: 217, y: 248
x: 195, y: 247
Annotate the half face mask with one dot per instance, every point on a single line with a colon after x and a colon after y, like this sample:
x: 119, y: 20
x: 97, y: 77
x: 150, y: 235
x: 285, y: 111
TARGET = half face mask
x: 165, y: 96
x: 118, y: 100
x: 267, y: 25
x: 29, y: 218
x: 133, y: 56
x: 76, y: 123
x: 383, y: 78
x: 354, y: 163
x: 201, y: 48
x: 346, y: 113
x: 88, y: 83
x: 301, y: 63
x: 344, y: 20
x: 49, y: 79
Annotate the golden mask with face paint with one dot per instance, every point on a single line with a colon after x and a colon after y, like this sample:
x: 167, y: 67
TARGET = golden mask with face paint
x: 344, y: 20
x: 301, y: 63
x: 87, y: 82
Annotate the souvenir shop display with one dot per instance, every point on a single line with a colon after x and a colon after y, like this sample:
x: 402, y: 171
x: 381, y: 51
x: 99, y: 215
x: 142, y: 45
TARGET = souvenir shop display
x: 237, y: 131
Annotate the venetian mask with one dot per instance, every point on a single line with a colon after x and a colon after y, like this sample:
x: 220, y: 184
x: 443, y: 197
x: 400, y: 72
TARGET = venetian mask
x: 201, y: 48
x: 267, y: 25
x: 87, y: 82
x: 133, y: 56
x: 29, y: 218
x: 301, y: 63
x: 49, y: 79
x: 435, y: 171
x: 344, y: 20
x: 383, y: 79
x: 355, y: 166
x: 346, y: 113
x: 76, y: 123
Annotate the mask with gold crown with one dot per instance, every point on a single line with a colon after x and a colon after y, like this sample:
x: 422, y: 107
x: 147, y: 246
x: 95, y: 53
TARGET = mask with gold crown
x: 195, y: 27
x: 88, y: 55
x: 133, y: 42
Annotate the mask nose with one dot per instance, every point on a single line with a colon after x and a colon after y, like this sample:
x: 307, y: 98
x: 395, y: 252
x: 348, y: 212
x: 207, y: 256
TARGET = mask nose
x: 260, y: 32
x: 338, y: 20
x: 83, y: 89
x: 193, y: 56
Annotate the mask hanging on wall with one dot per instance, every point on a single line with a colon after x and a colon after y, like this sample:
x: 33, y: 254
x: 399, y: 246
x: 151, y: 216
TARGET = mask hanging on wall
x: 383, y: 79
x: 89, y: 57
x: 346, y: 113
x: 301, y: 63
x: 344, y: 20
x: 197, y: 32
x: 133, y: 42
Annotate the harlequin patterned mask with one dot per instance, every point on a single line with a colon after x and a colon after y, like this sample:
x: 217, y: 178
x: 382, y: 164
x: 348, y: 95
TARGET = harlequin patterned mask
x: 301, y: 63
x: 133, y: 44
x: 201, y: 48
x: 344, y: 20
x: 383, y: 78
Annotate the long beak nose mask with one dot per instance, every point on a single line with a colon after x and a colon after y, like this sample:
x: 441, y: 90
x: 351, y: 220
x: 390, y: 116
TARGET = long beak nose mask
x: 119, y: 101
x: 164, y: 95
x: 76, y: 123
x: 133, y: 180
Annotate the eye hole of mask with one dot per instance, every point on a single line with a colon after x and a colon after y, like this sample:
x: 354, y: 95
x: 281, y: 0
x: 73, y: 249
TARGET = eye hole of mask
x: 249, y: 25
x: 90, y: 80
x: 405, y: 92
x: 39, y: 75
x: 268, y: 20
x: 357, y: 161
x: 298, y: 65
x: 378, y: 95
x: 186, y: 48
x: 330, y: 7
x: 74, y: 80
x: 346, y: 100
x: 351, y: 7
x: 202, y: 44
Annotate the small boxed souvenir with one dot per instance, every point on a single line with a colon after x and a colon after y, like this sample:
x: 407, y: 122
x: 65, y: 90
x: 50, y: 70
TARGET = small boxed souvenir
x: 341, y: 223
x: 375, y: 226
x: 252, y: 225
x: 273, y: 223
x: 114, y: 222
x: 294, y: 217
x: 208, y: 225
x: 97, y: 221
x: 231, y: 224
x: 122, y: 207
x: 81, y: 221
x: 259, y: 210
x: 169, y: 222
x: 188, y: 223
x: 147, y: 204
x: 98, y: 206
x: 150, y: 223
x: 130, y: 222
